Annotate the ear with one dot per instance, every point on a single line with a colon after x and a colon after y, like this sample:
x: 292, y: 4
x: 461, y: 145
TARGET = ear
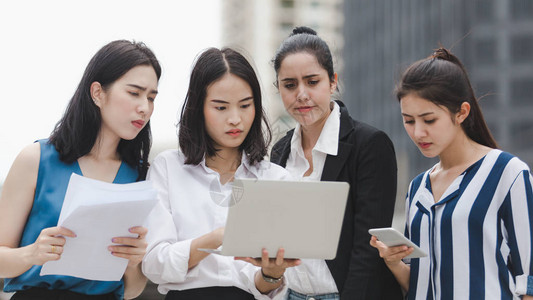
x: 97, y: 93
x: 333, y: 84
x: 463, y: 113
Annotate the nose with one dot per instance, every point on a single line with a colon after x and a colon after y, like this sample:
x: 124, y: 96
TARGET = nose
x: 234, y: 117
x: 144, y: 108
x: 420, y: 130
x: 302, y: 94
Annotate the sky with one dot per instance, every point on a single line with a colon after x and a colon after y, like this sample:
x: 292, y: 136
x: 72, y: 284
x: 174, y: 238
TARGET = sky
x: 46, y: 45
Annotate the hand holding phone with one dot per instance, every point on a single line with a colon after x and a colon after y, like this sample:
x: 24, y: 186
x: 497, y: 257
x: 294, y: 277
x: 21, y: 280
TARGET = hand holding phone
x: 392, y: 237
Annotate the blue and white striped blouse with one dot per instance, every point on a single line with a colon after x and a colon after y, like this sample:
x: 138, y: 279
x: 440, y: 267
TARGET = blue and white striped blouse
x: 478, y: 235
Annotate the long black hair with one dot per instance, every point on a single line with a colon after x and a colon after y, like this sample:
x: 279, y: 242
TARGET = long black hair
x: 211, y: 66
x: 442, y: 79
x: 75, y: 134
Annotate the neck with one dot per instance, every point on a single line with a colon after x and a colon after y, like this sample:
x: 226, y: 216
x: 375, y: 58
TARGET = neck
x: 462, y: 152
x: 311, y: 133
x: 224, y: 161
x: 105, y: 148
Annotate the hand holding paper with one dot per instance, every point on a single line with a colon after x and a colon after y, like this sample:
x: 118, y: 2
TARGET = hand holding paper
x: 49, y: 245
x: 97, y: 212
x: 132, y: 249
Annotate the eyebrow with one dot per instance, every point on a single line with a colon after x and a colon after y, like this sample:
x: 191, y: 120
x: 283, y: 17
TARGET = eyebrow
x: 141, y: 88
x: 226, y: 102
x: 421, y: 115
x: 305, y: 77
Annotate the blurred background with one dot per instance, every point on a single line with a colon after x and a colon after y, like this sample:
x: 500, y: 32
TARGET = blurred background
x: 46, y: 47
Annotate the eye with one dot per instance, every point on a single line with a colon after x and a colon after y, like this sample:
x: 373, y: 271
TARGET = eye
x: 220, y: 108
x: 134, y: 93
x: 151, y: 99
x: 429, y: 121
x: 409, y: 121
x: 289, y: 85
x: 246, y: 105
x: 313, y: 82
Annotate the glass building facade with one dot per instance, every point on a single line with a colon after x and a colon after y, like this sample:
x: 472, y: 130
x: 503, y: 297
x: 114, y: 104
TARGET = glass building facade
x: 493, y: 38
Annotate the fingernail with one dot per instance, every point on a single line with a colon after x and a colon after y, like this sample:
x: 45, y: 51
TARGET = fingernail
x: 114, y: 240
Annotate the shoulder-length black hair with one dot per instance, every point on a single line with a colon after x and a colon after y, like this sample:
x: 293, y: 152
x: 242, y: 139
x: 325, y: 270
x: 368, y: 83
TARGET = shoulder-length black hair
x: 75, y: 134
x: 442, y: 79
x: 211, y: 66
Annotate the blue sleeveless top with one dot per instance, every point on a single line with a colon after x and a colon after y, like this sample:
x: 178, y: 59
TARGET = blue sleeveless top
x: 52, y: 182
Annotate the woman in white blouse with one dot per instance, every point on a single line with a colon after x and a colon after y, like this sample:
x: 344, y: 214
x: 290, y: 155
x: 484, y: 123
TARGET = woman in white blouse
x: 329, y: 145
x: 220, y: 138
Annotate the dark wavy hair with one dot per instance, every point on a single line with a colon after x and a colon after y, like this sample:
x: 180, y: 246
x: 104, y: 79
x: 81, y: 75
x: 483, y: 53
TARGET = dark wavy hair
x: 442, y: 79
x: 75, y: 134
x: 305, y: 39
x: 209, y: 67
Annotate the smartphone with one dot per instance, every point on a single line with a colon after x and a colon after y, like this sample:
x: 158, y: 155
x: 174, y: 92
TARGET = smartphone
x: 392, y: 237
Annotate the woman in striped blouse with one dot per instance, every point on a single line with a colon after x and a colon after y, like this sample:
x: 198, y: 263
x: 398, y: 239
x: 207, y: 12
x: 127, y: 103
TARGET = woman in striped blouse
x: 471, y: 211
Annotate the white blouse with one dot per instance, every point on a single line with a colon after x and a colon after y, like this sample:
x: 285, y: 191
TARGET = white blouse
x: 190, y: 207
x: 312, y: 276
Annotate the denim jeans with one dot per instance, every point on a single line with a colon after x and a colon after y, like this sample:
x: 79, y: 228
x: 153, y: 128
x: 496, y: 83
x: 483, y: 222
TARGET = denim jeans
x: 292, y: 295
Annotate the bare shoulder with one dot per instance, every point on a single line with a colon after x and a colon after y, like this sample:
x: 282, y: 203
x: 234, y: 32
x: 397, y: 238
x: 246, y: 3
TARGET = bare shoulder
x: 17, y: 195
x: 31, y: 151
x: 28, y: 159
x: 24, y: 169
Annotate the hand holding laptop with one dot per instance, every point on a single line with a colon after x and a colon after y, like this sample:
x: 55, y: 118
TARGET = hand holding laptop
x: 272, y: 267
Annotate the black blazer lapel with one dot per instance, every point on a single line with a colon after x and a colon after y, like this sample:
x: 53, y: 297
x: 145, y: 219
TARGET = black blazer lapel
x: 281, y: 150
x: 334, y: 164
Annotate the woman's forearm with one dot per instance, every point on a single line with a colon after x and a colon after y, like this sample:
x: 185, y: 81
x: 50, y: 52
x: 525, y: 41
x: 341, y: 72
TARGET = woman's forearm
x: 14, y: 261
x: 263, y: 286
x: 134, y: 282
x: 401, y: 272
x: 211, y: 240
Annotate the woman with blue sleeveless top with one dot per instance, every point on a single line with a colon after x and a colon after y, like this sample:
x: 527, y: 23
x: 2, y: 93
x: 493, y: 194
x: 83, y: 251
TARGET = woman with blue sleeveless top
x: 105, y: 135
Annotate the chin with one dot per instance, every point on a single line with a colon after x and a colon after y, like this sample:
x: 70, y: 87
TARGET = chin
x: 234, y: 145
x: 429, y: 154
x: 129, y: 137
x: 306, y: 121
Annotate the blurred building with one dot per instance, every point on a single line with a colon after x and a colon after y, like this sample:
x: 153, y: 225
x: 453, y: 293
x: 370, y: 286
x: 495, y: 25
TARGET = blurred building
x: 494, y: 39
x: 258, y: 27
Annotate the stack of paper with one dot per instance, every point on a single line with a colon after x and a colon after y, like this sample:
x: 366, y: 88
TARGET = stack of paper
x: 96, y: 212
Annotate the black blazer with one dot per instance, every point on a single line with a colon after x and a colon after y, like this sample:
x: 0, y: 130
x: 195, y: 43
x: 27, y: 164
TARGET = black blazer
x: 365, y: 160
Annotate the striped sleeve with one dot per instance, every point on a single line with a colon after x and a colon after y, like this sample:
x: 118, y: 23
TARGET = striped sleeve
x: 519, y: 224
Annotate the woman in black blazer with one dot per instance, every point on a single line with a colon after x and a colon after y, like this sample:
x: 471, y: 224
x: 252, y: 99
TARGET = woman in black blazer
x: 361, y: 155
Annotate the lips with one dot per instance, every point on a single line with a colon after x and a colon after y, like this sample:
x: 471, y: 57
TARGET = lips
x: 138, y: 123
x: 304, y: 109
x: 234, y: 132
x: 424, y: 145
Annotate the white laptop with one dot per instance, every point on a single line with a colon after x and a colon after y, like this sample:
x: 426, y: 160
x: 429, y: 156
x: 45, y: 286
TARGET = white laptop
x: 303, y: 217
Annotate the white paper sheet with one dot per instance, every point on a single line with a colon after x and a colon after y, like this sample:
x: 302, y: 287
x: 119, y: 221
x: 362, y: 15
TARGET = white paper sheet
x: 96, y: 212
